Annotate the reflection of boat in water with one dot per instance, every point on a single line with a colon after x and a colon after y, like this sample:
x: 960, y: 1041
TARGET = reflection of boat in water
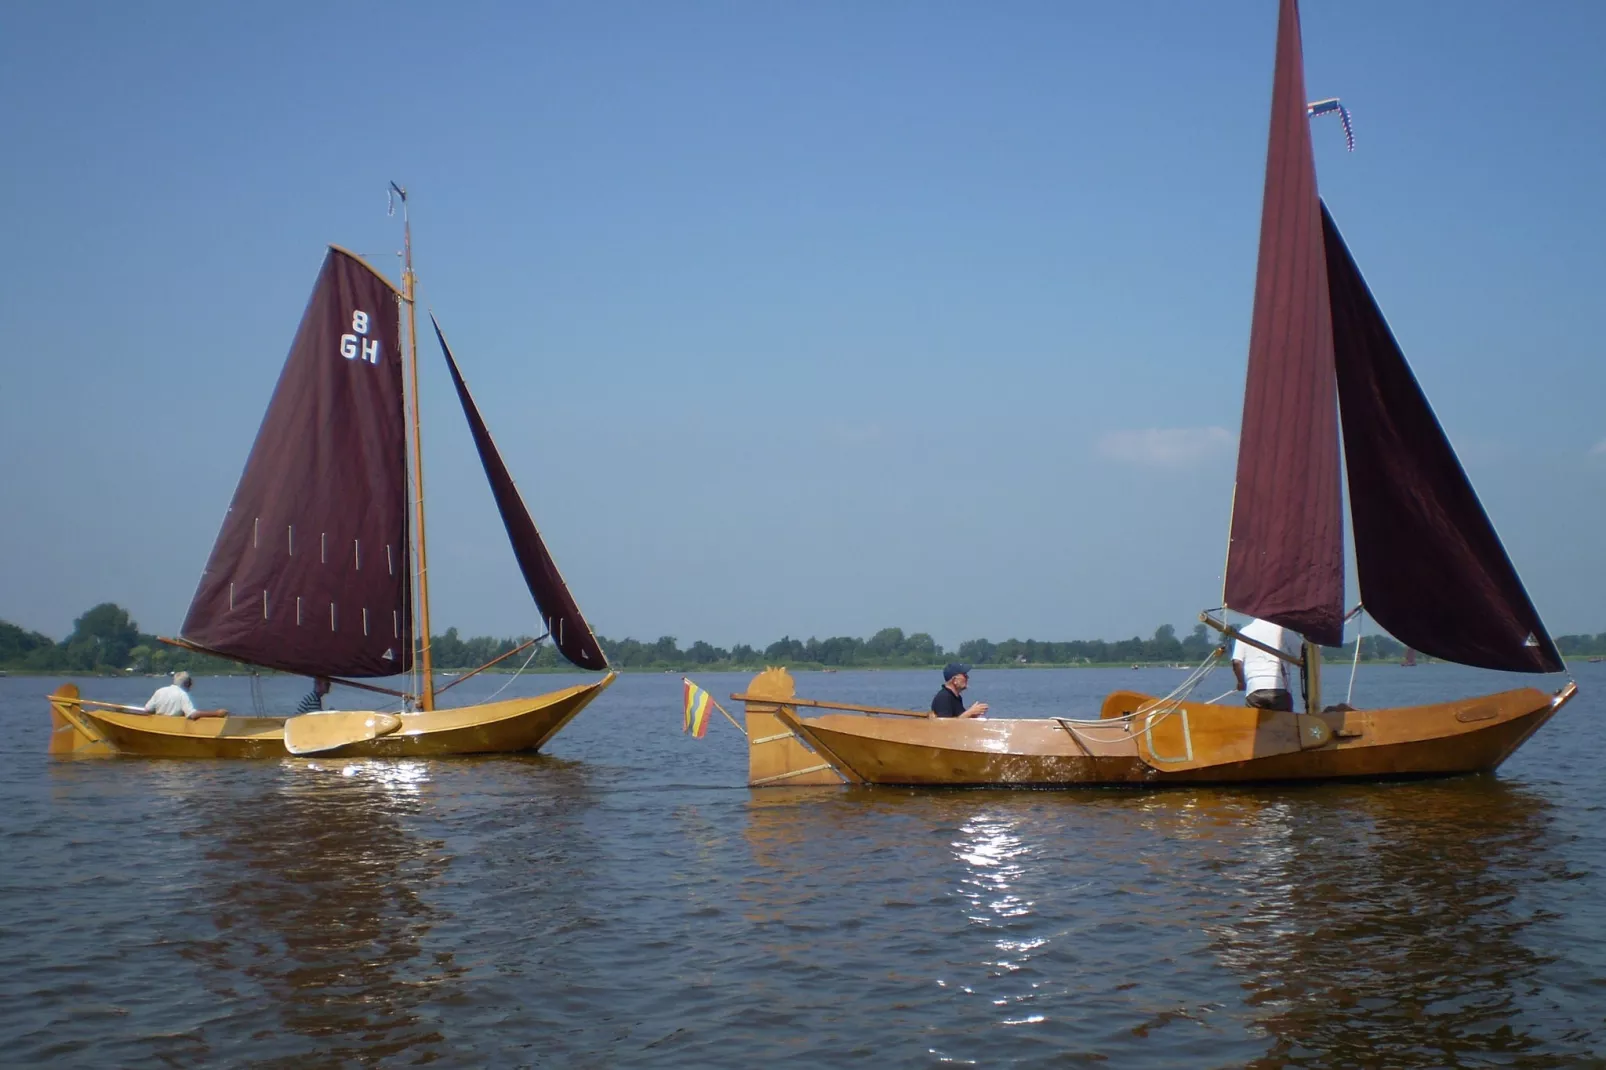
x: 1385, y: 928
x: 312, y: 571
x: 1324, y: 370
x: 326, y: 909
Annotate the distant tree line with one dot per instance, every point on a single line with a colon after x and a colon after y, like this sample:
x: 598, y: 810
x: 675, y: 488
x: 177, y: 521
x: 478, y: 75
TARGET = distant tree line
x: 105, y: 639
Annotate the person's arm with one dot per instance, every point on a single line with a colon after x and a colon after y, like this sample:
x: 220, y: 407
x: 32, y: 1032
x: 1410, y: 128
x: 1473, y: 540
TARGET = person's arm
x: 194, y: 714
x: 977, y: 709
x: 1238, y: 674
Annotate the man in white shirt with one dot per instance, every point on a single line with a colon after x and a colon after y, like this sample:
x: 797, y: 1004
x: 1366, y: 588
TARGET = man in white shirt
x: 174, y: 700
x: 1264, y: 676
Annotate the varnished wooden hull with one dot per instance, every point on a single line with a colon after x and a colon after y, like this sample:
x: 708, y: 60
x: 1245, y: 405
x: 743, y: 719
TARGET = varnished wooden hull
x: 520, y: 724
x: 1143, y: 742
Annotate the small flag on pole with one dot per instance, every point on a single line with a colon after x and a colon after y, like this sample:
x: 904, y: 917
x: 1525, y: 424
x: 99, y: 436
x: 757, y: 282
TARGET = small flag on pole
x: 1323, y: 107
x: 699, y: 704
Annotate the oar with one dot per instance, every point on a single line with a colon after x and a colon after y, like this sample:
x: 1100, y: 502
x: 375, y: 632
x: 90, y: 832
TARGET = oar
x: 119, y: 707
x: 315, y: 733
x: 889, y: 711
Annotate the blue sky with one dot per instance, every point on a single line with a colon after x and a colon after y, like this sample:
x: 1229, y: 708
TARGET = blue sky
x: 788, y: 318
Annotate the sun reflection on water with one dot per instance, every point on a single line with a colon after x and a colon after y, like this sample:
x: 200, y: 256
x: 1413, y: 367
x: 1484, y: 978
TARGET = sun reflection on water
x: 401, y: 778
x: 997, y: 864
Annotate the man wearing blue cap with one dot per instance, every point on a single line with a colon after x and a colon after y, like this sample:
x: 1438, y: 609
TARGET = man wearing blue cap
x: 955, y: 678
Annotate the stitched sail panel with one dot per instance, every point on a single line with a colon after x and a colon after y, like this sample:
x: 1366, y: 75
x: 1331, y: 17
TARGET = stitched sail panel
x: 1285, y: 562
x: 309, y: 573
x: 1432, y: 570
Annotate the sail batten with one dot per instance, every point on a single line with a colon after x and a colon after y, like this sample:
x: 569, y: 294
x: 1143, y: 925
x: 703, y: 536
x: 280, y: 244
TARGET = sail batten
x: 329, y: 457
x: 569, y: 631
x: 1285, y: 560
x: 1431, y: 568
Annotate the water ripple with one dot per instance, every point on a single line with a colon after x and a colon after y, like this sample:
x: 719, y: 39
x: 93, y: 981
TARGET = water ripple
x: 620, y: 906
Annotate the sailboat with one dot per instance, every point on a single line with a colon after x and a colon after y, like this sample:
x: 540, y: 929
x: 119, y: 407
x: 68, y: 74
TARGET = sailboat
x: 314, y: 569
x: 1323, y: 365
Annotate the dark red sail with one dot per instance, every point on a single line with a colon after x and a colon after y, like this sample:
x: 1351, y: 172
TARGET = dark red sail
x: 1285, y: 562
x: 1432, y: 570
x: 570, y: 632
x: 310, y: 571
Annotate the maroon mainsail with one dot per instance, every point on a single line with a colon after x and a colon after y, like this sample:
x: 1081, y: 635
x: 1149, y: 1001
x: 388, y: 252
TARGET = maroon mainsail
x: 1285, y: 561
x: 310, y: 571
x: 1431, y: 568
x: 570, y: 632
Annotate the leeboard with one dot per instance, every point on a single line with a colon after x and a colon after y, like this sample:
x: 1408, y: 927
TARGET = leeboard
x: 315, y: 733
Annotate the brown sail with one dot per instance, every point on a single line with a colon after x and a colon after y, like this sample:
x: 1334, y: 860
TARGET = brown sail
x: 570, y: 632
x: 1432, y: 570
x: 309, y: 573
x: 1285, y: 562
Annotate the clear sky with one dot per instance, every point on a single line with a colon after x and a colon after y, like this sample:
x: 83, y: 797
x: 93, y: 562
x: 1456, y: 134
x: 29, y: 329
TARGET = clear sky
x: 806, y: 318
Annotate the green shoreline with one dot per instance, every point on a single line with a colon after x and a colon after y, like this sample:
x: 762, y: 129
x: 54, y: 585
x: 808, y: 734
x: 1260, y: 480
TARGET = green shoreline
x: 685, y: 670
x: 106, y: 642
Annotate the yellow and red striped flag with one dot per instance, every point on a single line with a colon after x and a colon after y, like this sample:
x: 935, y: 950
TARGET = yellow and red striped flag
x: 699, y: 704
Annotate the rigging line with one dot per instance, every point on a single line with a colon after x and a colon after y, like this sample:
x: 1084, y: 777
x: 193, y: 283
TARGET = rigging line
x: 1360, y: 627
x: 1176, y: 696
x: 518, y: 672
x: 1193, y: 680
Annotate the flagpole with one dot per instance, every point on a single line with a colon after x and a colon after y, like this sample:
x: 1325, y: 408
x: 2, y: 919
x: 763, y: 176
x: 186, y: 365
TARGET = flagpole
x: 728, y: 717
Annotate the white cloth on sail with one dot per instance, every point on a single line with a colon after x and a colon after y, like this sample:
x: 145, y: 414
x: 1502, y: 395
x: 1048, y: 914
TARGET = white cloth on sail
x: 1262, y: 671
x: 171, y: 701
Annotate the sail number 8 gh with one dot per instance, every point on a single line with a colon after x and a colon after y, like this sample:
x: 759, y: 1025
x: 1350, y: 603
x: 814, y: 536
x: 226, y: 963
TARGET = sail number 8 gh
x: 359, y: 329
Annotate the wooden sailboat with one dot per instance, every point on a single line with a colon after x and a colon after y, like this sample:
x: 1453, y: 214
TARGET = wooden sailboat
x: 312, y: 572
x: 1430, y: 568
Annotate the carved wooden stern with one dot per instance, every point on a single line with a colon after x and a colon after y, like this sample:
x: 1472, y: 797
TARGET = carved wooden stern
x: 70, y: 734
x: 777, y: 757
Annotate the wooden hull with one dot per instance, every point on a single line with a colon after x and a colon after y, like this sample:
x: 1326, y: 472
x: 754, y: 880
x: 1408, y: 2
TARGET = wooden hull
x: 520, y: 724
x: 1142, y: 742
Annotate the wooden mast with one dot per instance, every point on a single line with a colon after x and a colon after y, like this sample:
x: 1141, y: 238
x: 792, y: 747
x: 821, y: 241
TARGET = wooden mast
x: 426, y: 693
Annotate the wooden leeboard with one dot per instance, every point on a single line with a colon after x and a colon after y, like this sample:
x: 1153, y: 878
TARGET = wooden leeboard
x: 315, y: 733
x: 1179, y: 736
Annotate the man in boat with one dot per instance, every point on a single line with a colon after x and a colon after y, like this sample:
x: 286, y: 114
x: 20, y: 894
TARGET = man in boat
x: 174, y: 700
x: 947, y: 703
x: 1263, y: 676
x: 312, y: 701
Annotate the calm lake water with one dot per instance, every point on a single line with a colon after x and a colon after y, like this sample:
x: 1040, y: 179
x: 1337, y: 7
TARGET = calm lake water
x: 625, y: 901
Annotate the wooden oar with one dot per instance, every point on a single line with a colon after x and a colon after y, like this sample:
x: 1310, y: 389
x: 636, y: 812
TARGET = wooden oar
x: 743, y: 697
x: 315, y: 733
x: 119, y: 707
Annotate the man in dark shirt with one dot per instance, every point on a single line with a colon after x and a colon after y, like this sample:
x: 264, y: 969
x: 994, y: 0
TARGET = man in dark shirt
x: 955, y: 678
